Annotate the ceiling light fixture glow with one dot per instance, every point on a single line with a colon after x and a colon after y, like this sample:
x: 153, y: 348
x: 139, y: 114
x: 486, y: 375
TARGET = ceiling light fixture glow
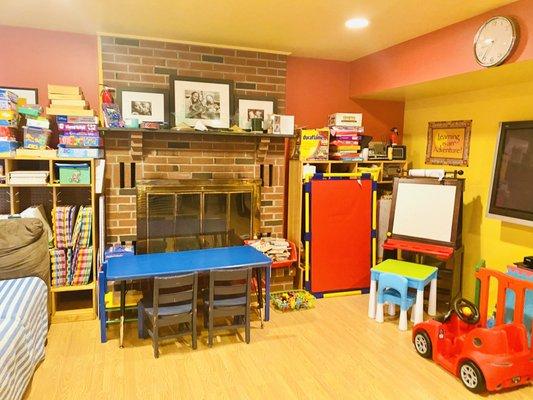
x: 357, y: 23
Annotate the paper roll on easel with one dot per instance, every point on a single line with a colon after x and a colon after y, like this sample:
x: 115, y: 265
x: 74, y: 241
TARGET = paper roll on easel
x: 428, y: 173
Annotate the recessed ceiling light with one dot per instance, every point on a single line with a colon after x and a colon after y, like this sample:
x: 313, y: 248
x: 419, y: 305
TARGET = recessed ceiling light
x: 357, y: 23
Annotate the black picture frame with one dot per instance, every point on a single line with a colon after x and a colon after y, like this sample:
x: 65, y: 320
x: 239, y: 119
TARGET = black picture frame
x: 165, y: 92
x: 236, y: 106
x: 24, y: 88
x: 174, y: 78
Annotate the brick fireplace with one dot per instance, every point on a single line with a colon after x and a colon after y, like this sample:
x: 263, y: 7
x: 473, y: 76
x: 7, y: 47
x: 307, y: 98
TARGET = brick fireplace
x: 133, y: 156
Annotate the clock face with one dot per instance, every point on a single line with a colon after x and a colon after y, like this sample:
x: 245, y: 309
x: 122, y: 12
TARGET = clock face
x: 495, y: 41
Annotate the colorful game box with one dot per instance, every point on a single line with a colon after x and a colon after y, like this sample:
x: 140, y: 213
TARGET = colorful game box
x: 314, y: 144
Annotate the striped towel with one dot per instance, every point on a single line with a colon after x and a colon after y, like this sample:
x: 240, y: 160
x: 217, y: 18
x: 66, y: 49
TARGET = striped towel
x: 82, y: 262
x: 59, y: 267
x: 81, y: 235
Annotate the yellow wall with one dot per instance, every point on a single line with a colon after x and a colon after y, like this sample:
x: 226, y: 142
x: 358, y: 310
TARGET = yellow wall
x: 499, y: 243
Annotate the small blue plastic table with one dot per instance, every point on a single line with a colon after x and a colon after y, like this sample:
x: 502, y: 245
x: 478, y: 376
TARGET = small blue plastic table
x: 145, y: 266
x: 418, y: 276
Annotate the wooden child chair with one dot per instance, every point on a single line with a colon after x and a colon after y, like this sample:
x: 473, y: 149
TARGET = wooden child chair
x: 392, y: 289
x: 173, y: 305
x: 228, y: 296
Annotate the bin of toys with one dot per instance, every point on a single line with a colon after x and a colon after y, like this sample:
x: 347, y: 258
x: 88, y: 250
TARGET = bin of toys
x: 292, y: 300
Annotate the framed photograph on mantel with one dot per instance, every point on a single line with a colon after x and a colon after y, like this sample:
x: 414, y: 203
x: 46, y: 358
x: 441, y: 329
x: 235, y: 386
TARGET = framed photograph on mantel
x: 254, y: 107
x: 209, y: 101
x: 144, y: 104
x: 448, y: 142
x: 30, y: 94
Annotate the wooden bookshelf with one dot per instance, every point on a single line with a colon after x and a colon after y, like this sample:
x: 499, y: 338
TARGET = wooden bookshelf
x: 68, y: 303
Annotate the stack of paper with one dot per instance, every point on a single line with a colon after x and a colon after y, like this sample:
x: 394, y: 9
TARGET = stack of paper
x: 276, y: 249
x: 28, y: 177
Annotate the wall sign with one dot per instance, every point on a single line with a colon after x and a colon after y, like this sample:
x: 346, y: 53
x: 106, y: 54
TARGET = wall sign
x: 448, y: 142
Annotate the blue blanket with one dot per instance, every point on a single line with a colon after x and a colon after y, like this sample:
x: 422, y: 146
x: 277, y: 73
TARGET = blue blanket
x: 23, y: 330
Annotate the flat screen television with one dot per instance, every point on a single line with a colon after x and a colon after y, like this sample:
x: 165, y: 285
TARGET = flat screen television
x: 511, y: 192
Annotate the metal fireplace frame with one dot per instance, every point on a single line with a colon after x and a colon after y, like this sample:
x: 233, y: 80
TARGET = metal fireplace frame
x: 194, y: 186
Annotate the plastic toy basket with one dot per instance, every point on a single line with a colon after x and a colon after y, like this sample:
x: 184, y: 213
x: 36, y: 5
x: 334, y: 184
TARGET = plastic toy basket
x: 292, y: 300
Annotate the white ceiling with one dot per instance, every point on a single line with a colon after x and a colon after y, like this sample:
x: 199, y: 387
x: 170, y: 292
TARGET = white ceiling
x: 309, y: 28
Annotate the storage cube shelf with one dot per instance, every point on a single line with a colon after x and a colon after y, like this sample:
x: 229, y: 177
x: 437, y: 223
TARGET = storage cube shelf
x: 68, y: 303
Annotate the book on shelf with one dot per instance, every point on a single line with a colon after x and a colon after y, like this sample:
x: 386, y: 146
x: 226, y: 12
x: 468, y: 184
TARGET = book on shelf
x: 59, y: 96
x: 88, y: 129
x: 70, y: 119
x: 69, y: 103
x: 63, y: 89
x: 28, y: 177
x: 40, y: 122
x: 69, y: 111
x: 37, y: 153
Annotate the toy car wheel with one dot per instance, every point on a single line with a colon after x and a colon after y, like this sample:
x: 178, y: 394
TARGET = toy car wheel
x: 472, y: 377
x: 423, y: 344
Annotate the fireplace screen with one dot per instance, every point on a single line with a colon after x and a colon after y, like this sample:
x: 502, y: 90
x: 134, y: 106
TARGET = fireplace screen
x: 193, y: 214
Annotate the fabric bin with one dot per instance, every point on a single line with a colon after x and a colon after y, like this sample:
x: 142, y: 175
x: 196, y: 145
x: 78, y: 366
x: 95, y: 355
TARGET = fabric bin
x: 74, y: 174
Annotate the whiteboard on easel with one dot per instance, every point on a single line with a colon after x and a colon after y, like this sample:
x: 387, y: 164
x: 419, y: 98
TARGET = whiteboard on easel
x: 424, y: 211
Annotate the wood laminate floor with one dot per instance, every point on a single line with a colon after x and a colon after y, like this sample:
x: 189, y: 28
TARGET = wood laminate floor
x: 331, y: 352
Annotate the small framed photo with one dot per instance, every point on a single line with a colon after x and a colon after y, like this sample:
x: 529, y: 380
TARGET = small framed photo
x: 144, y: 104
x: 209, y: 101
x: 255, y: 107
x: 30, y: 94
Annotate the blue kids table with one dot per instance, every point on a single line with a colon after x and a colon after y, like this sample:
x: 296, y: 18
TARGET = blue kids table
x: 147, y: 266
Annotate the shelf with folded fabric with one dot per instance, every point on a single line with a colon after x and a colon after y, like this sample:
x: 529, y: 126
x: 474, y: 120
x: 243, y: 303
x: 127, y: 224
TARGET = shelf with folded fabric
x: 68, y: 303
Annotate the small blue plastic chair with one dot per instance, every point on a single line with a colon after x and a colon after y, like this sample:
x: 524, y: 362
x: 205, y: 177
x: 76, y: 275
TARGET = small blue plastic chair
x: 393, y: 290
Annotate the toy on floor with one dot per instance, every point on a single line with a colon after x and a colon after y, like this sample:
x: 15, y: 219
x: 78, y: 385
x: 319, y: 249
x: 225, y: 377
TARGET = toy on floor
x: 483, y: 358
x: 293, y: 300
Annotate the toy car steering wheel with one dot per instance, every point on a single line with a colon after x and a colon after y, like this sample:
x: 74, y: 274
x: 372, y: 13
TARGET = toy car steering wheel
x: 466, y: 311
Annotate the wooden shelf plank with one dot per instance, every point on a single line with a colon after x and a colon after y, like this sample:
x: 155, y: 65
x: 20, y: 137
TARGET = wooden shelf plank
x: 47, y: 158
x: 48, y: 185
x: 74, y: 288
x: 74, y: 315
x: 192, y: 132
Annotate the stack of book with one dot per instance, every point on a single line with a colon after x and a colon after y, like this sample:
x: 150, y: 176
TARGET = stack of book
x: 37, y: 129
x: 344, y: 143
x: 9, y: 118
x: 68, y: 100
x: 32, y: 178
x: 76, y: 122
x: 79, y: 137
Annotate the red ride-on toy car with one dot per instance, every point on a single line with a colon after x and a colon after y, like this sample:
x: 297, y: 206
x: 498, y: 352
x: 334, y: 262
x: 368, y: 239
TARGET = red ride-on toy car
x: 483, y: 358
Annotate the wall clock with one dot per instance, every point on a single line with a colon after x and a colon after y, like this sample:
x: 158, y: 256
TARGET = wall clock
x: 495, y: 40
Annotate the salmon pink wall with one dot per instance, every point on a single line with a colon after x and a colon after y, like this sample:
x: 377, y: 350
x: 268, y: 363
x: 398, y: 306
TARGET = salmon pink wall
x: 34, y: 58
x: 439, y: 54
x: 317, y: 88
